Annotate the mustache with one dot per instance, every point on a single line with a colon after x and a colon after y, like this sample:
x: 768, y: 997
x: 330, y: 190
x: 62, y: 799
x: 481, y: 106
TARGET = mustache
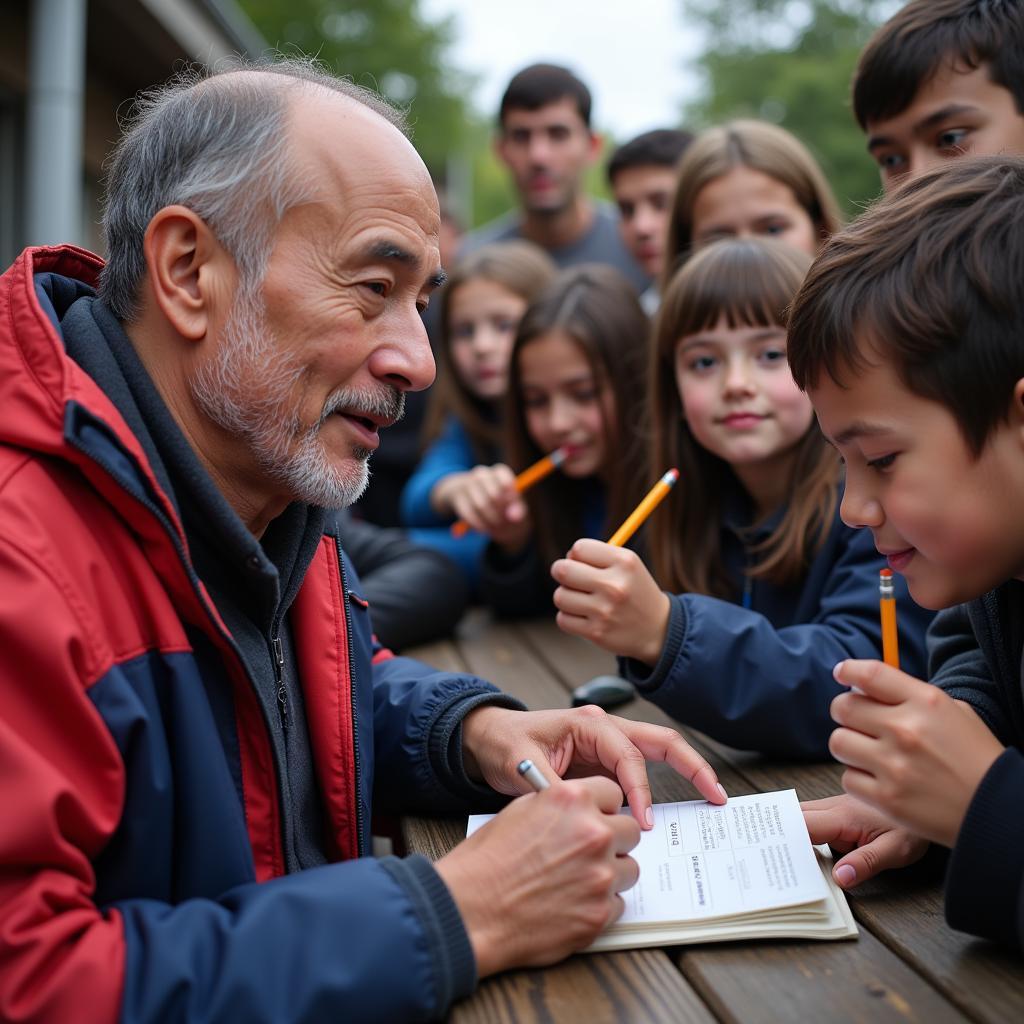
x: 385, y: 402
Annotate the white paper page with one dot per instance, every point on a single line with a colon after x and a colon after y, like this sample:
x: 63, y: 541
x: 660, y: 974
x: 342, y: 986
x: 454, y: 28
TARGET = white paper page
x: 703, y: 861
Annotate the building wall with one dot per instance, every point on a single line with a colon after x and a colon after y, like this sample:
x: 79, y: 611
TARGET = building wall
x: 130, y: 45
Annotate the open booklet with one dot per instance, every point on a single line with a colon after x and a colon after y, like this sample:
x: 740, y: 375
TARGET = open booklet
x: 746, y: 870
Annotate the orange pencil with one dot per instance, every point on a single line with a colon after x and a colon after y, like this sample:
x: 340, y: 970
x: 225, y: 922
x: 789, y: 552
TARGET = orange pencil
x: 887, y: 606
x: 529, y: 476
x: 638, y: 516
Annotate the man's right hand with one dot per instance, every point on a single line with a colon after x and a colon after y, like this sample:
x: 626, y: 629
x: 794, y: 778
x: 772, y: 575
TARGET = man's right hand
x: 542, y: 879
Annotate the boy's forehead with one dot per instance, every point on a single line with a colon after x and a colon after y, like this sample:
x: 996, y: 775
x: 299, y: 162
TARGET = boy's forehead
x: 952, y: 88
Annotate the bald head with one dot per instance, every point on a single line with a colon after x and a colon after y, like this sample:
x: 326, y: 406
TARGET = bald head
x: 224, y: 147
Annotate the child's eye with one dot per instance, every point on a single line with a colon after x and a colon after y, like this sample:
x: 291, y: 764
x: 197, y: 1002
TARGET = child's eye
x: 585, y: 397
x: 701, y: 364
x: 775, y: 228
x: 882, y: 463
x: 505, y: 325
x: 952, y: 138
x: 892, y: 163
x: 534, y: 401
x: 773, y: 356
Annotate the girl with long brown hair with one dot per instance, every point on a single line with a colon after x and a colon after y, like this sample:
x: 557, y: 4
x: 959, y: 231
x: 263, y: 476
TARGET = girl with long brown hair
x: 747, y: 179
x: 758, y: 588
x: 480, y: 309
x: 576, y: 378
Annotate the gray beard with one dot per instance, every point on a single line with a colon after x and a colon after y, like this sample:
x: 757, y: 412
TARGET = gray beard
x: 246, y: 390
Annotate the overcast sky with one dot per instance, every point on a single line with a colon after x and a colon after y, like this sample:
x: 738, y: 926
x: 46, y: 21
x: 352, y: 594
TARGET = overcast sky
x: 632, y: 54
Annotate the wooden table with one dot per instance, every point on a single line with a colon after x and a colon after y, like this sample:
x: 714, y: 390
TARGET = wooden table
x: 907, y: 965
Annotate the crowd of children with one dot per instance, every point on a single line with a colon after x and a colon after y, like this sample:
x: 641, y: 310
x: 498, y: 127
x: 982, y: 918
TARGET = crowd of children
x: 835, y: 398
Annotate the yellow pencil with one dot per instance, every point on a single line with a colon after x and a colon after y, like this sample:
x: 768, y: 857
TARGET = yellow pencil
x: 887, y: 606
x: 639, y: 515
x: 529, y: 476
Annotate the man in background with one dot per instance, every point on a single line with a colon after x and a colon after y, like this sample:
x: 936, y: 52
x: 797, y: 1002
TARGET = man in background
x: 642, y: 176
x: 546, y: 142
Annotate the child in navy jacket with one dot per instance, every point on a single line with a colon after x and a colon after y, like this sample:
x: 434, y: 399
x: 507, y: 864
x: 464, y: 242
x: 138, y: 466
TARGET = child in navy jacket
x: 758, y: 587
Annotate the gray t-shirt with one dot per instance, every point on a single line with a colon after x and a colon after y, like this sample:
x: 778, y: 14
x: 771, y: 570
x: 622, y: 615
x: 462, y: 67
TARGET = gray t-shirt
x: 600, y: 244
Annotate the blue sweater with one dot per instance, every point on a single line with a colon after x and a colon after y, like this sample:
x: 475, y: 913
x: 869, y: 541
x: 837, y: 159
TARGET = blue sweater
x: 452, y: 452
x: 760, y: 677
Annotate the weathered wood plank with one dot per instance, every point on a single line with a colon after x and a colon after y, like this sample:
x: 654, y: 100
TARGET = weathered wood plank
x: 610, y: 988
x: 859, y: 981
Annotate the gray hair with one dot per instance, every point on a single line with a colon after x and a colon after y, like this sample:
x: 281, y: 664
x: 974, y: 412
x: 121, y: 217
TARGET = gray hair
x: 216, y: 142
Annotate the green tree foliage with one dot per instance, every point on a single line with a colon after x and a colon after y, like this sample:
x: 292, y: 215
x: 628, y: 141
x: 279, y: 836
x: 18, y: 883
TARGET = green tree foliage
x: 791, y: 61
x: 386, y: 45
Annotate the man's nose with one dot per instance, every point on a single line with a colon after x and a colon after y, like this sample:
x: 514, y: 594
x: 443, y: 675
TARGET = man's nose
x: 404, y: 358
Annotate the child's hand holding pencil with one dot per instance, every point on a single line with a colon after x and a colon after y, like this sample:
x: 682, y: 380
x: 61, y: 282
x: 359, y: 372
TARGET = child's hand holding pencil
x: 607, y: 595
x: 485, y: 499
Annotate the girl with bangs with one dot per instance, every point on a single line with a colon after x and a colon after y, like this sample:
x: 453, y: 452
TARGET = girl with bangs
x: 758, y: 588
x: 576, y: 378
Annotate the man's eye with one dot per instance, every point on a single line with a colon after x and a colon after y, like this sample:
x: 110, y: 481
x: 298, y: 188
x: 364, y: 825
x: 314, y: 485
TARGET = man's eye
x: 775, y: 228
x: 377, y: 287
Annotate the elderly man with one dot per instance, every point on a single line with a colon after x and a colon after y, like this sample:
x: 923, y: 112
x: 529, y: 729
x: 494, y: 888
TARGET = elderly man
x: 195, y: 714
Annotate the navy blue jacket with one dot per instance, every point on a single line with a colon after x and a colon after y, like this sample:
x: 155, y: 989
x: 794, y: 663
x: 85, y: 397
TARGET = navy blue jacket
x: 974, y: 654
x: 760, y: 677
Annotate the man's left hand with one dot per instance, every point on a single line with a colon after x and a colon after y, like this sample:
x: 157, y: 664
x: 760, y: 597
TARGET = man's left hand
x: 577, y: 743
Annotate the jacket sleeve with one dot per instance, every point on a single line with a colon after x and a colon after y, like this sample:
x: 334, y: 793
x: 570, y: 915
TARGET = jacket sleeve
x: 416, y: 594
x: 985, y: 878
x: 731, y: 673
x: 958, y: 665
x: 450, y: 453
x: 316, y: 945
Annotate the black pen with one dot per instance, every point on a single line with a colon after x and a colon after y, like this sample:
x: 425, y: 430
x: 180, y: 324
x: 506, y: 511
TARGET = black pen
x: 531, y: 773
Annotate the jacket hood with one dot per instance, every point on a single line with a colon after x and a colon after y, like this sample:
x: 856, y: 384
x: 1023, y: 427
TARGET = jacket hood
x: 51, y: 405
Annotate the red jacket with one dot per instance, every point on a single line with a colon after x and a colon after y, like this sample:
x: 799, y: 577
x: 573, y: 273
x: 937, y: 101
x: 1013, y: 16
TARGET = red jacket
x: 141, y: 868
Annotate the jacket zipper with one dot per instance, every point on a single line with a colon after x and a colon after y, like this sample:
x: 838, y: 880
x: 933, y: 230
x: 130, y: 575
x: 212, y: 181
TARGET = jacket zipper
x: 277, y: 655
x: 352, y: 698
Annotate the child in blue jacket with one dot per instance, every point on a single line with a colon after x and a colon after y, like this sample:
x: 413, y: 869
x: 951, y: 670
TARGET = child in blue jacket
x: 758, y: 587
x: 481, y: 306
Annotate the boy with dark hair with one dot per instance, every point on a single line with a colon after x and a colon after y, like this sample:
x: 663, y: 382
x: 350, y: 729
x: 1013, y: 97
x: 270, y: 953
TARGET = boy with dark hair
x: 907, y: 335
x: 545, y: 140
x: 939, y: 80
x: 642, y: 176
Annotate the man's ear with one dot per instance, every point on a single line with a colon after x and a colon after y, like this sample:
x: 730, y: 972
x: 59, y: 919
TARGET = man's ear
x: 595, y: 147
x: 188, y: 270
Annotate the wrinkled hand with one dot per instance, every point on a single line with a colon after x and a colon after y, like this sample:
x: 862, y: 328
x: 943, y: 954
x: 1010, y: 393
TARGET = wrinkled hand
x: 910, y: 749
x: 580, y: 742
x: 871, y: 842
x: 606, y: 595
x: 542, y: 879
x: 486, y: 498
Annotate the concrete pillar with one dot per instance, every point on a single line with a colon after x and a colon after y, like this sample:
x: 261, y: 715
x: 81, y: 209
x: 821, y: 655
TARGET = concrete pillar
x: 54, y: 122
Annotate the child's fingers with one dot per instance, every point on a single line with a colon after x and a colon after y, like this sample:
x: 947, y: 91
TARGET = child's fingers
x: 893, y: 849
x: 575, y: 624
x: 863, y: 714
x: 877, y: 680
x: 855, y: 750
x: 597, y: 553
x: 575, y: 575
x: 574, y: 602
